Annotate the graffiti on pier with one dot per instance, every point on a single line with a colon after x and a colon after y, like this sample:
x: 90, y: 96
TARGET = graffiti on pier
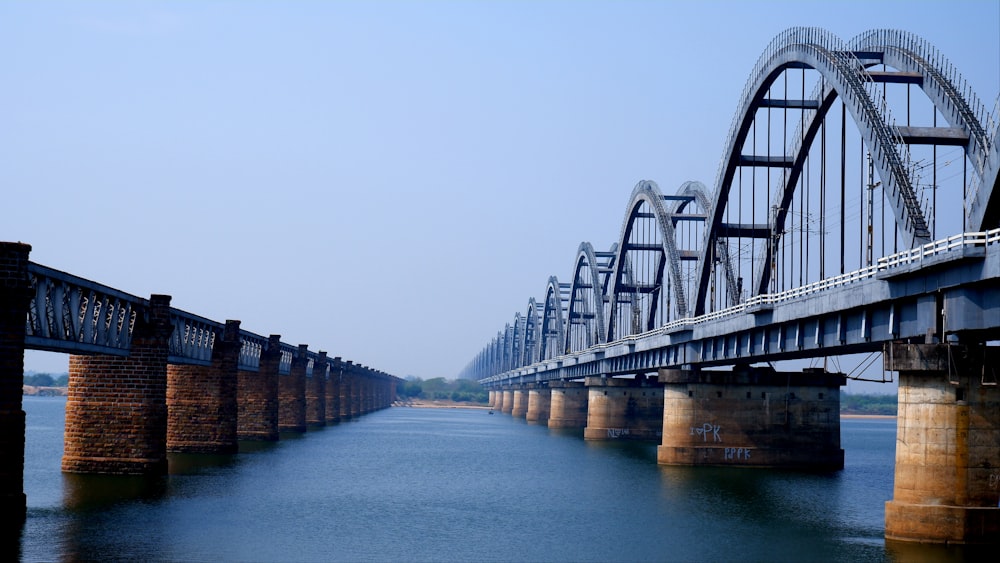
x: 617, y: 432
x: 706, y: 430
x: 740, y: 454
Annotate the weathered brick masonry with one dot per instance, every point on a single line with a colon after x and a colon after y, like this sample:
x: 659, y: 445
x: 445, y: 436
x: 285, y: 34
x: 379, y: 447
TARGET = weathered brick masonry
x: 201, y: 400
x: 116, y: 412
x: 257, y: 396
x: 292, y: 394
x: 316, y: 393
x: 333, y: 392
x: 15, y: 294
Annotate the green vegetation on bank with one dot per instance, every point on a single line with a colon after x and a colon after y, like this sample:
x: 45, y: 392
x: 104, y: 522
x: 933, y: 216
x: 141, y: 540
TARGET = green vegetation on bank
x: 867, y: 404
x: 46, y: 379
x: 459, y: 390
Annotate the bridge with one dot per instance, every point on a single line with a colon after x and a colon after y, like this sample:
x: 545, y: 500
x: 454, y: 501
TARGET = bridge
x: 147, y: 379
x: 855, y: 209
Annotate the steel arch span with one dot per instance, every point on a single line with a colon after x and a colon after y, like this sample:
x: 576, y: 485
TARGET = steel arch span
x: 844, y: 73
x: 864, y: 133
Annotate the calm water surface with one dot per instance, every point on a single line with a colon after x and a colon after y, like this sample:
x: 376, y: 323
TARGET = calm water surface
x: 409, y: 484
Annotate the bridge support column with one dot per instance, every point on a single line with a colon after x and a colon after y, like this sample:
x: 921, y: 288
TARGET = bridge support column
x: 493, y: 398
x: 292, y: 394
x: 357, y: 391
x: 257, y: 396
x: 619, y: 408
x: 520, y: 407
x: 333, y: 392
x: 947, y: 435
x: 15, y: 295
x: 539, y: 403
x: 751, y: 417
x: 568, y: 408
x: 201, y: 400
x: 346, y: 383
x: 316, y: 393
x: 508, y: 400
x: 498, y: 400
x: 116, y: 412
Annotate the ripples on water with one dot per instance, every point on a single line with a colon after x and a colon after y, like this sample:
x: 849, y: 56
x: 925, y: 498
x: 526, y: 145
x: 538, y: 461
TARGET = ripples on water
x: 408, y: 484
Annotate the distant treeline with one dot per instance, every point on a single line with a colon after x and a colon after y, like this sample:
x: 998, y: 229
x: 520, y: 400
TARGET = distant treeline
x: 47, y: 380
x: 459, y: 390
x: 867, y: 404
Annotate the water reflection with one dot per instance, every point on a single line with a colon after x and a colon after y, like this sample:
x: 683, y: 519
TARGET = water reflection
x: 85, y: 493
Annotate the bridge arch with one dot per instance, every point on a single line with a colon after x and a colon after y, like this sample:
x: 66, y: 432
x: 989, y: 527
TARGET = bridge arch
x: 586, y: 312
x: 843, y: 71
x: 532, y: 329
x: 553, y: 321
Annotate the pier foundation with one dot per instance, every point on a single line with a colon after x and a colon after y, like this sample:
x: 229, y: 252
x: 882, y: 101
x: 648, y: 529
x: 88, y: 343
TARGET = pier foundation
x: 752, y: 417
x: 257, y: 396
x: 947, y: 478
x: 568, y: 408
x: 520, y: 407
x: 539, y: 401
x: 624, y: 408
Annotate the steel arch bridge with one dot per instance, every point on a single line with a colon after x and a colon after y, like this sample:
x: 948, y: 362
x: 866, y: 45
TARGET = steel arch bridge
x: 846, y: 162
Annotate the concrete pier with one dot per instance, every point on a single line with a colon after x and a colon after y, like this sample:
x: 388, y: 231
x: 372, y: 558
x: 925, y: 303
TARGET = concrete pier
x: 568, y: 407
x: 508, y: 400
x: 201, y: 400
x: 520, y: 407
x: 624, y: 408
x: 116, y: 411
x: 539, y: 403
x: 947, y: 478
x: 498, y: 400
x: 752, y: 417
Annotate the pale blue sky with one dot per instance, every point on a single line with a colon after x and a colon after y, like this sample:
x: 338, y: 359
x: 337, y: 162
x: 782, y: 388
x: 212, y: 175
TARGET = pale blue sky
x: 386, y: 181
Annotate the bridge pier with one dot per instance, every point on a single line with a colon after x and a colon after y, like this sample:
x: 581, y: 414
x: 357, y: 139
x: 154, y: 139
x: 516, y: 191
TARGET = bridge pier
x: 498, y: 400
x: 568, y: 407
x: 292, y: 394
x: 620, y: 408
x: 316, y: 393
x: 751, y: 417
x: 508, y: 400
x: 492, y: 399
x: 539, y: 403
x: 15, y: 296
x: 116, y: 411
x: 346, y: 382
x: 257, y: 396
x: 201, y: 400
x: 333, y: 392
x: 947, y: 477
x: 520, y: 407
x: 357, y: 384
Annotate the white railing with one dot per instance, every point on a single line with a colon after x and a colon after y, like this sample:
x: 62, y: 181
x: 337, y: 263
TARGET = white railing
x: 906, y: 257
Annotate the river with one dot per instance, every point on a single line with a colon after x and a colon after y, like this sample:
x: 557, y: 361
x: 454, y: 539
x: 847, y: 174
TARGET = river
x: 413, y: 484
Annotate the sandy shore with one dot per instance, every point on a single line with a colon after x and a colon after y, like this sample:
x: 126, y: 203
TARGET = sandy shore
x: 422, y: 404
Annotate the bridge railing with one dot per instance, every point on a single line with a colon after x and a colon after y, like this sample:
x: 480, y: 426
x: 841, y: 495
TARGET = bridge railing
x: 68, y: 313
x: 193, y: 338
x: 906, y: 257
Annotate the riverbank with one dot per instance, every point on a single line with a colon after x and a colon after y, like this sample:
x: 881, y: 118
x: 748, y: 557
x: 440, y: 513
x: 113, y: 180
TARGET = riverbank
x: 440, y: 404
x: 44, y: 391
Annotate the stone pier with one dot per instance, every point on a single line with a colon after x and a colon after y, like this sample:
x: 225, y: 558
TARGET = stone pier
x: 624, y: 408
x: 539, y: 403
x: 508, y: 400
x: 498, y: 400
x: 568, y: 406
x: 520, y: 407
x: 15, y: 295
x: 316, y: 393
x: 333, y: 392
x: 947, y: 479
x: 257, y: 396
x: 116, y: 411
x: 292, y: 394
x: 752, y: 417
x: 201, y: 400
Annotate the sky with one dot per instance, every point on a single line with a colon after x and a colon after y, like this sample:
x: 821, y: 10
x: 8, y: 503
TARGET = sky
x: 389, y: 182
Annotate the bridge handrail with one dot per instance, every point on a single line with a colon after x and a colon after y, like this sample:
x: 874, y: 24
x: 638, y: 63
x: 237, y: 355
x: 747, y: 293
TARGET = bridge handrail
x: 962, y: 240
x: 70, y: 313
x: 193, y: 338
x: 251, y: 347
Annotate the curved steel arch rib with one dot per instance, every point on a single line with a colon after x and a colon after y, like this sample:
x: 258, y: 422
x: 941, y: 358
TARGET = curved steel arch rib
x: 843, y: 74
x: 586, y: 283
x: 958, y: 104
x: 553, y: 327
x: 532, y: 328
